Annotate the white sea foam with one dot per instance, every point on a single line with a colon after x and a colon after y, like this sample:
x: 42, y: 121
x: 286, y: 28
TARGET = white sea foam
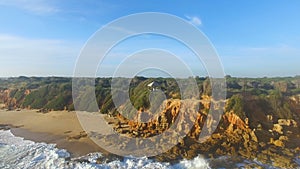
x: 15, y: 152
x: 196, y: 163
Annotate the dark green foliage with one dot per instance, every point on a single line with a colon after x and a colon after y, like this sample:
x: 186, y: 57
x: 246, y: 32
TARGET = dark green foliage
x: 30, y: 99
x: 140, y: 95
x: 233, y: 83
x: 53, y: 96
x: 13, y: 92
x: 236, y: 104
x: 107, y: 106
x: 258, y: 92
x: 280, y: 104
x: 86, y: 100
x: 207, y: 90
x: 248, y: 97
x: 19, y: 94
x: 38, y: 103
x: 58, y: 103
x: 295, y: 91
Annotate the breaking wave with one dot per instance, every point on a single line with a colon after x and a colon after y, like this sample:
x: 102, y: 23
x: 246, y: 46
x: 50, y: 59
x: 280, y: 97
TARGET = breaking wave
x: 15, y: 152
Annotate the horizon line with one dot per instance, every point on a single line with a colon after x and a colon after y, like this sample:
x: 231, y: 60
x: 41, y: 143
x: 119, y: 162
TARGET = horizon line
x: 58, y: 76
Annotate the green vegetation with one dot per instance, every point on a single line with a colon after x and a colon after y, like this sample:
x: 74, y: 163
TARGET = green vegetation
x: 247, y: 97
x: 236, y: 104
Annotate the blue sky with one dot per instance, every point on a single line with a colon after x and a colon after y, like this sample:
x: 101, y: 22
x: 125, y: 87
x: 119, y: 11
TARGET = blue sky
x: 253, y: 38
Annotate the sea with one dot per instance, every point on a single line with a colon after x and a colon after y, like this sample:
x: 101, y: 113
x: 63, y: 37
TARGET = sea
x: 18, y: 153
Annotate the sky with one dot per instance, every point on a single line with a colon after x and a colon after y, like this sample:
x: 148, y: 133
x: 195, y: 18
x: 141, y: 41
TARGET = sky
x: 254, y: 38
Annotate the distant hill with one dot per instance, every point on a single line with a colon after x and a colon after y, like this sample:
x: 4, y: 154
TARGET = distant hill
x: 278, y: 96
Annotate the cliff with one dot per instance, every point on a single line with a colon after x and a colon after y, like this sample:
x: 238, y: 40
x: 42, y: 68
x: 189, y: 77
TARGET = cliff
x: 277, y: 145
x: 261, y: 118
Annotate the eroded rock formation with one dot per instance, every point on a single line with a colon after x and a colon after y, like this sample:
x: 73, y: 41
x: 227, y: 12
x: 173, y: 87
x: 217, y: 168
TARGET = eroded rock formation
x: 233, y: 135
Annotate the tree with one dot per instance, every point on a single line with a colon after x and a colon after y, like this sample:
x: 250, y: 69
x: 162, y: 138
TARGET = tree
x: 207, y: 87
x: 236, y: 104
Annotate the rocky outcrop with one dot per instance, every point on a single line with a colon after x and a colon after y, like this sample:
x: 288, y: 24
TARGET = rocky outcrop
x: 5, y: 99
x: 268, y: 129
x: 8, y: 101
x: 233, y: 136
x: 287, y: 122
x: 277, y: 128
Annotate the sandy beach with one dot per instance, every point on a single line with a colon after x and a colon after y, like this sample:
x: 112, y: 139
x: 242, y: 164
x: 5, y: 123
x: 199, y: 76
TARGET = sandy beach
x: 58, y: 127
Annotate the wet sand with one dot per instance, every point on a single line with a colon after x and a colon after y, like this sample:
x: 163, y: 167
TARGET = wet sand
x: 57, y: 127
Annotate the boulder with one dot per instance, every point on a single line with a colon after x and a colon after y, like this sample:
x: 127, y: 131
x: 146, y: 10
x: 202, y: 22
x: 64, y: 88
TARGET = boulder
x: 253, y: 136
x: 278, y: 143
x: 277, y: 128
x: 283, y: 138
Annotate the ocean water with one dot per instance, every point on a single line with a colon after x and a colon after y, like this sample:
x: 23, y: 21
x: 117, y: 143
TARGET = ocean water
x: 17, y: 153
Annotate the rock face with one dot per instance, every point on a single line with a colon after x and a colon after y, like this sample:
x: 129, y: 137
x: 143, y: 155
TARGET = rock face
x: 6, y: 101
x: 277, y: 128
x: 268, y: 130
x: 287, y: 122
x: 10, y: 103
x: 235, y: 120
x: 233, y: 136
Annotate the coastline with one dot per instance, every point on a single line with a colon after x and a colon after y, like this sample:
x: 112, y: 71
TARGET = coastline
x: 56, y: 127
x: 63, y: 129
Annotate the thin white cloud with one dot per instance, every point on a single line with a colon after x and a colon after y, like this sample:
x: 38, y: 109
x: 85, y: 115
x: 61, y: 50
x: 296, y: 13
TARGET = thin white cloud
x: 24, y: 56
x: 194, y: 20
x: 279, y: 60
x: 35, y: 6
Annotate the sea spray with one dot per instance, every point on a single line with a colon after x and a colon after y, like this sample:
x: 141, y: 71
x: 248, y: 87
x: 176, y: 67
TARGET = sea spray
x: 15, y: 152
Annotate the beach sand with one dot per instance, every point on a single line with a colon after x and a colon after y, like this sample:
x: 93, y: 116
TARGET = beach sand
x: 58, y: 127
